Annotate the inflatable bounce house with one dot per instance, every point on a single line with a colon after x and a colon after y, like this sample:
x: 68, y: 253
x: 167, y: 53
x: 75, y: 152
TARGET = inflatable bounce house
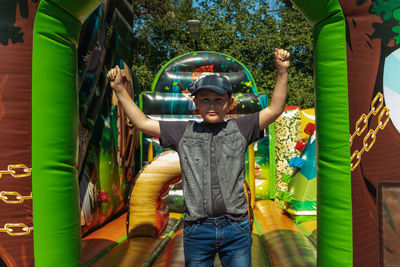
x: 79, y: 185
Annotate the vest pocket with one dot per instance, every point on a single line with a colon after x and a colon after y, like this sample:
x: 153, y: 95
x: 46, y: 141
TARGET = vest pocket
x: 192, y: 155
x: 232, y: 145
x: 192, y: 142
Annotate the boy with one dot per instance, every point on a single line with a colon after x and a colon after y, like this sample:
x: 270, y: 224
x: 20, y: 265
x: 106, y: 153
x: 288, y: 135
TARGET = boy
x: 212, y: 160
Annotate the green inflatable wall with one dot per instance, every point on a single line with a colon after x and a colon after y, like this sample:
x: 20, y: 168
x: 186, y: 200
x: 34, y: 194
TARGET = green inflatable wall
x: 55, y: 131
x: 335, y: 244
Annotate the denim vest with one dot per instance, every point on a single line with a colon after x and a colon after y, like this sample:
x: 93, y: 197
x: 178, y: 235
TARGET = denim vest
x: 194, y: 151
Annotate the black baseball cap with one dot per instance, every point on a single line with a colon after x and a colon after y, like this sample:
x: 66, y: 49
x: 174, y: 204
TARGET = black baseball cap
x: 216, y: 83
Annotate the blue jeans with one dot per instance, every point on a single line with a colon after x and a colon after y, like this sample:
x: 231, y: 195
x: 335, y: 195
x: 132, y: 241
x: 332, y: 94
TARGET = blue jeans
x: 230, y: 239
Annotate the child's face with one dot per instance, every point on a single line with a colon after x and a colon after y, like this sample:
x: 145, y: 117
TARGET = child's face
x: 212, y: 106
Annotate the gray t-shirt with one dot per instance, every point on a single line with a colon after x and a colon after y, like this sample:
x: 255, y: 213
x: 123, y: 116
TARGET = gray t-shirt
x: 171, y: 135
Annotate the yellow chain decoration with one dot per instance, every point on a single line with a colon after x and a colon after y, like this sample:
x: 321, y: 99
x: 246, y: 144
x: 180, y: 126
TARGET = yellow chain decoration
x: 15, y: 229
x: 4, y: 195
x: 11, y: 171
x: 12, y: 229
x: 370, y: 137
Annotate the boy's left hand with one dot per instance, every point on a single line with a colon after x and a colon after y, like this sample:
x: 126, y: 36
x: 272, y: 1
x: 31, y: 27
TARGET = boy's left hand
x: 281, y: 59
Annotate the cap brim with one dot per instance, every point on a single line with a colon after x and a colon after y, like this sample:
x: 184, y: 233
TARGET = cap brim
x: 214, y: 88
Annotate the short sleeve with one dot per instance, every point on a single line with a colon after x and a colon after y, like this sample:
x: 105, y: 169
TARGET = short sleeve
x: 249, y: 127
x: 171, y: 133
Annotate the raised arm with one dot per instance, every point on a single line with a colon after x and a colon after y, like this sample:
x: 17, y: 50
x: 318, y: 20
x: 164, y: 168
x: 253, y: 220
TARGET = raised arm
x: 134, y: 113
x: 278, y: 100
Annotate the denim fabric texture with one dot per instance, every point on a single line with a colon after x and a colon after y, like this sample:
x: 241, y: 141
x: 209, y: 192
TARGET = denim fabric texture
x: 194, y: 151
x: 232, y: 241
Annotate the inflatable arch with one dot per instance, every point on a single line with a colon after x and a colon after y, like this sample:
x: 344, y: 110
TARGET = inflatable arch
x: 332, y: 126
x: 355, y: 54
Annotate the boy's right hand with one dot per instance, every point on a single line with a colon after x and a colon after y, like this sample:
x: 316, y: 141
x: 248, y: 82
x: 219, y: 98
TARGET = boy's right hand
x: 281, y: 60
x: 116, y: 79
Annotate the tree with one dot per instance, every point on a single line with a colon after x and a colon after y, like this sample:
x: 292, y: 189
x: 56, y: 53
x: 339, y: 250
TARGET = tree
x: 245, y: 30
x: 296, y: 34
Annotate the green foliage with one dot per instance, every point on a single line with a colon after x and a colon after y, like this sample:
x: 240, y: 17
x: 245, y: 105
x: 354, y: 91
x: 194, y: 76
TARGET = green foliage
x: 389, y: 11
x: 384, y: 8
x: 246, y: 30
